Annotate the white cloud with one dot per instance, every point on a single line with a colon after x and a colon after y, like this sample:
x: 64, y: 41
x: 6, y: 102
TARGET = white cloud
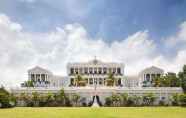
x: 179, y: 38
x: 20, y: 50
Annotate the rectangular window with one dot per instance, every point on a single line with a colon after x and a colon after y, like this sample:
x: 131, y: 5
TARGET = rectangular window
x: 100, y: 81
x: 95, y: 70
x: 114, y: 70
x: 105, y: 70
x: 86, y: 70
x: 90, y: 70
x: 99, y: 70
x: 118, y: 71
x: 90, y: 81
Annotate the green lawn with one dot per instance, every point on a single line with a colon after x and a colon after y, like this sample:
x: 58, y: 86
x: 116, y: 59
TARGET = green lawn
x: 127, y: 112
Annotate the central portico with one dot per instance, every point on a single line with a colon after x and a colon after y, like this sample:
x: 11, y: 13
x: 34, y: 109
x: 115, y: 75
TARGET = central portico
x: 95, y: 72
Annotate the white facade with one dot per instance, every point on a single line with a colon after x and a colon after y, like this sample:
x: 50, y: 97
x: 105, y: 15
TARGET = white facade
x: 147, y: 75
x: 96, y: 72
x: 44, y: 78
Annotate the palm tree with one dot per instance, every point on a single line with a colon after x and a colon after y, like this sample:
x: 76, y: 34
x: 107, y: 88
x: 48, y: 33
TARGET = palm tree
x: 49, y: 98
x: 79, y: 80
x: 124, y: 98
x: 175, y: 99
x: 29, y: 84
x: 110, y: 79
x: 75, y: 98
x: 60, y: 97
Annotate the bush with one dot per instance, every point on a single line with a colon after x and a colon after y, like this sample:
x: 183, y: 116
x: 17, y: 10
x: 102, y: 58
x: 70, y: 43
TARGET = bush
x: 130, y: 102
x: 108, y: 101
x: 175, y: 100
x: 84, y: 104
x: 182, y: 99
x: 162, y: 103
x: 6, y: 100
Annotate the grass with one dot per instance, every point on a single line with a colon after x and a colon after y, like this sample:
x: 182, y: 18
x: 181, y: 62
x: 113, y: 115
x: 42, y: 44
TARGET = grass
x: 126, y: 112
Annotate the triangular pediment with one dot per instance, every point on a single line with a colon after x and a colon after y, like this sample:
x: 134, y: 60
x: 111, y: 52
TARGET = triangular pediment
x: 38, y: 69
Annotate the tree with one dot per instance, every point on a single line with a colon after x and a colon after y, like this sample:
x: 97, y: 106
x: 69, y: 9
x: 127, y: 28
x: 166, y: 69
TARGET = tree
x: 182, y: 99
x: 175, y: 99
x: 156, y: 82
x: 28, y: 84
x: 168, y: 80
x: 182, y: 76
x: 124, y: 98
x: 75, y: 98
x: 79, y: 80
x: 110, y: 79
x: 174, y: 80
x: 5, y: 98
x: 49, y: 99
x: 60, y: 97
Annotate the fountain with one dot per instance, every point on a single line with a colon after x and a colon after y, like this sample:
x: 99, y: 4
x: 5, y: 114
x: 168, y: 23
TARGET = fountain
x: 95, y: 102
x: 95, y: 97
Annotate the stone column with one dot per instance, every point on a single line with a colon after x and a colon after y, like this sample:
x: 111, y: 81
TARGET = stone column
x: 35, y: 77
x: 46, y: 79
x: 40, y: 76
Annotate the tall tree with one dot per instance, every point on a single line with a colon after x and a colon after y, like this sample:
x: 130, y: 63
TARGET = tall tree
x: 79, y: 80
x: 29, y: 83
x: 60, y: 97
x: 110, y: 79
x: 182, y: 76
x: 49, y: 99
x: 4, y: 98
x: 124, y: 98
x: 75, y: 98
x: 182, y: 99
x: 168, y: 80
x: 174, y: 80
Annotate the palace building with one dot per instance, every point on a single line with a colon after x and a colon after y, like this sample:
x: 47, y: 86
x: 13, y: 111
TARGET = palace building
x: 96, y: 77
x: 95, y: 72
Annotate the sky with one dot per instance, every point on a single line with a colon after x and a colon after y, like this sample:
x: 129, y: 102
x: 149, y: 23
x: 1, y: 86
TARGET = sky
x: 51, y: 33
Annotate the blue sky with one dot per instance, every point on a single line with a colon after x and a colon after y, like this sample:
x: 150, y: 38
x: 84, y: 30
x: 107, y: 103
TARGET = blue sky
x: 51, y: 33
x: 108, y: 19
